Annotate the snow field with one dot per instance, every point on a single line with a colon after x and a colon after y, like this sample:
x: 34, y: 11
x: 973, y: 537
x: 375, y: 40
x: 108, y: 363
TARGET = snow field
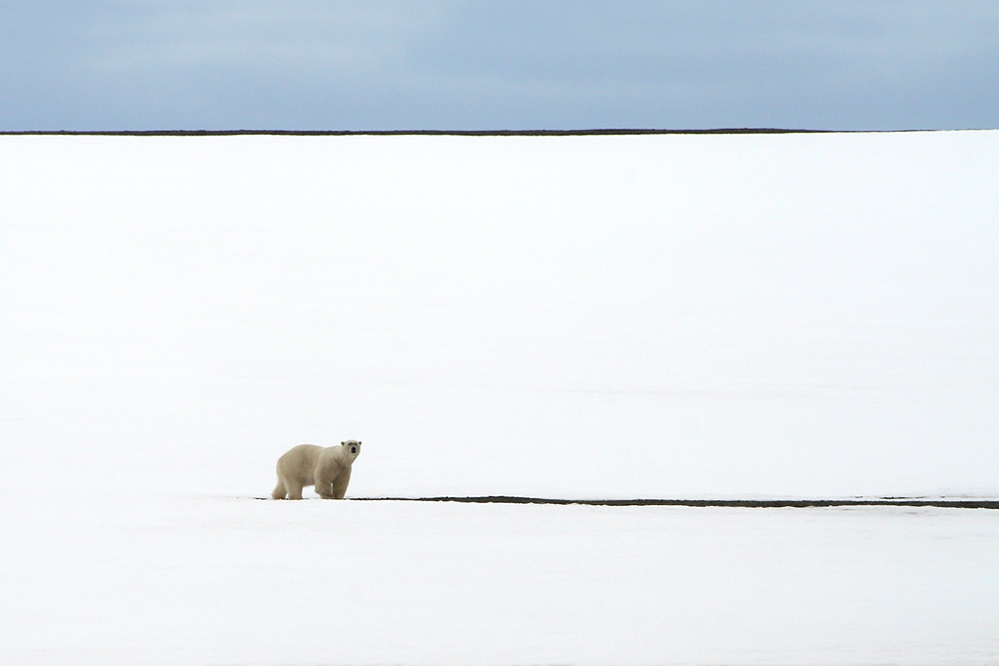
x: 209, y: 580
x: 589, y: 317
x: 779, y: 315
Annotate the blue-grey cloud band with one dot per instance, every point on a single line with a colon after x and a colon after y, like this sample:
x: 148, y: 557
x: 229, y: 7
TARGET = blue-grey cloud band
x: 497, y: 65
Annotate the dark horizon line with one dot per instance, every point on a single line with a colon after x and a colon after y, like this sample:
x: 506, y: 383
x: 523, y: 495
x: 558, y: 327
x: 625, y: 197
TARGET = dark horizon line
x: 736, y: 503
x: 431, y: 132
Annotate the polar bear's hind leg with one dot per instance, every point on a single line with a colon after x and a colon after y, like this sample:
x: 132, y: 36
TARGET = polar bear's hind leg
x: 294, y: 489
x: 279, y: 490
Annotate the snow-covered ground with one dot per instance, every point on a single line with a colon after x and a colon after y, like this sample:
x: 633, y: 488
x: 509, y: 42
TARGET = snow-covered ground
x: 210, y: 580
x: 590, y: 317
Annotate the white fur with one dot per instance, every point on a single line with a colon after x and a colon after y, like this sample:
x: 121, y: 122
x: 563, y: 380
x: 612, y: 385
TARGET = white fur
x: 328, y: 469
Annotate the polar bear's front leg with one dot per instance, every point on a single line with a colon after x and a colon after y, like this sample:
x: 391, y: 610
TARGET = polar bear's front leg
x: 340, y: 484
x: 324, y: 484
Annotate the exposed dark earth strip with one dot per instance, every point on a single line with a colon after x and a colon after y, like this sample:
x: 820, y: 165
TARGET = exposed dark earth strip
x: 747, y: 503
x: 743, y: 503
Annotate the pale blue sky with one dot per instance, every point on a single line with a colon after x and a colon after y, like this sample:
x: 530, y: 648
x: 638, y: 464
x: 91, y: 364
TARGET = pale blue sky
x: 307, y: 64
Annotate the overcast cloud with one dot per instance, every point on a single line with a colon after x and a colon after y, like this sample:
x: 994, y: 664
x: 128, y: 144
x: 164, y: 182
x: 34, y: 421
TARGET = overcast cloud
x: 306, y: 64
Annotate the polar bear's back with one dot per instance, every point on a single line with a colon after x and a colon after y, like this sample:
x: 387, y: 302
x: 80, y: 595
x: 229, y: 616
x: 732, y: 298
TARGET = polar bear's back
x: 299, y: 462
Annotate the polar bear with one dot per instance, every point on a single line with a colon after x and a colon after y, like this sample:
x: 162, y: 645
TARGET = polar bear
x: 328, y: 469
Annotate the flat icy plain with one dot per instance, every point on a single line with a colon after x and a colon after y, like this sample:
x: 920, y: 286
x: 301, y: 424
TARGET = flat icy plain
x: 575, y: 317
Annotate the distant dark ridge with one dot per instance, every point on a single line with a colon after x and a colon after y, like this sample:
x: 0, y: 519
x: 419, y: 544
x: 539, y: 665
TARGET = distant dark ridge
x: 580, y: 132
x: 743, y: 503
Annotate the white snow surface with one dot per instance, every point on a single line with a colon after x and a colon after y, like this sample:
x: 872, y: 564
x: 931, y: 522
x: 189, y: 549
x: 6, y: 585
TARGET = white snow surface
x: 808, y: 315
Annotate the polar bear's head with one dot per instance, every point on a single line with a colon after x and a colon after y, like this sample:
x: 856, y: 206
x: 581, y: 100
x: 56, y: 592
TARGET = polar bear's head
x: 352, y: 448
